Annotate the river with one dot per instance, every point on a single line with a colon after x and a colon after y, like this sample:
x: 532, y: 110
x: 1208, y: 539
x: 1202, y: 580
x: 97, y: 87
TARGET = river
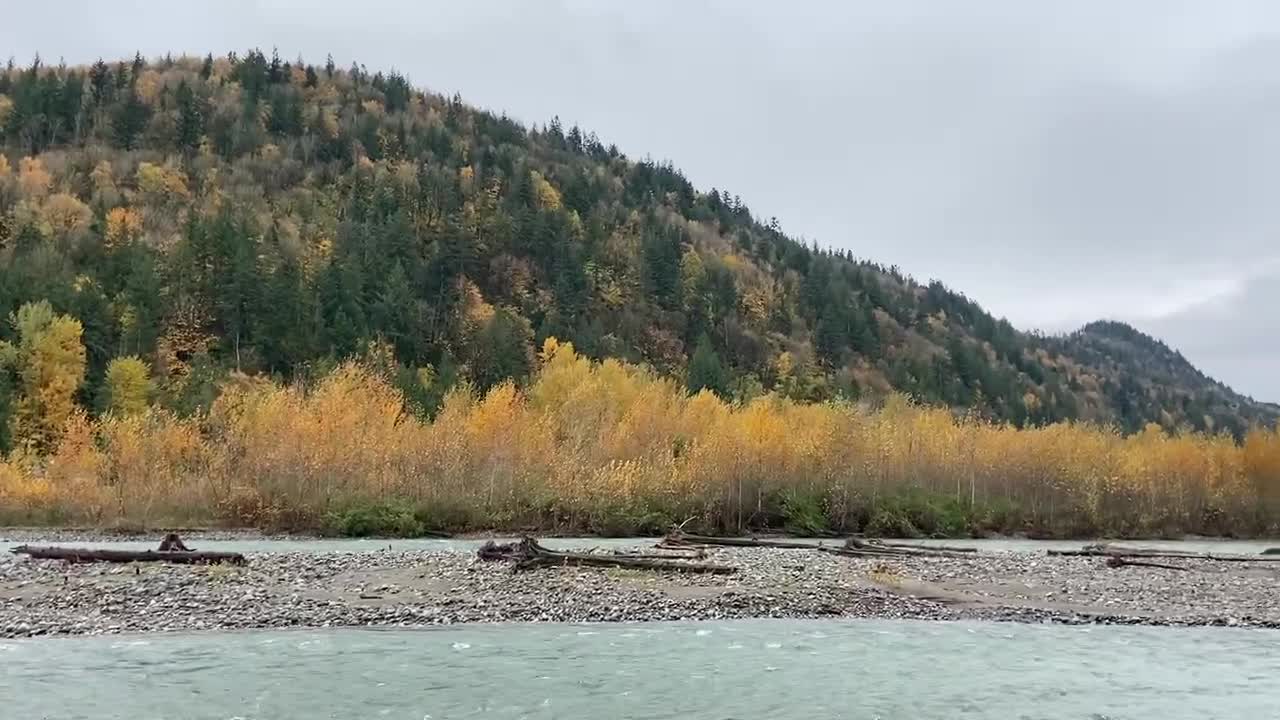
x: 774, y: 669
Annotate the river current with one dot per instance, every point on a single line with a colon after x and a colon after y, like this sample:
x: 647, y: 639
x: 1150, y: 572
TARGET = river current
x: 774, y: 669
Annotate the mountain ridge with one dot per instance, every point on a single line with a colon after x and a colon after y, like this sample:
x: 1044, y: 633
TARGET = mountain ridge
x: 248, y: 213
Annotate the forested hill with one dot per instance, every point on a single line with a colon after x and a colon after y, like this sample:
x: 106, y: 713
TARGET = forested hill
x: 244, y: 213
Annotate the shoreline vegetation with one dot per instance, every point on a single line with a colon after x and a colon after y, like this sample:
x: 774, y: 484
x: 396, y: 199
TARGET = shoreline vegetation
x: 609, y: 448
x: 244, y: 292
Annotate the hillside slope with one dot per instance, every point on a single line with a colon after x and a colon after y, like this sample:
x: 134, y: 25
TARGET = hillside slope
x: 246, y: 213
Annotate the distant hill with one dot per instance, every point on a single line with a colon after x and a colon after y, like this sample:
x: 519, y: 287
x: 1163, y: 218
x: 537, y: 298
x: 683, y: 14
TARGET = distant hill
x: 1147, y: 379
x: 250, y: 213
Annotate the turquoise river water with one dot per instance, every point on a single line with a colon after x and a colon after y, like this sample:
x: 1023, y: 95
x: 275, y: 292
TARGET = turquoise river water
x: 779, y: 670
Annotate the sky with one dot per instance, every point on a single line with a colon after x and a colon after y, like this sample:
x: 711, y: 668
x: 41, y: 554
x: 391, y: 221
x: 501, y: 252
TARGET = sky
x: 1057, y: 162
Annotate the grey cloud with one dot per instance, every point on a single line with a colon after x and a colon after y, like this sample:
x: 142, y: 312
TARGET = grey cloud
x: 1058, y: 162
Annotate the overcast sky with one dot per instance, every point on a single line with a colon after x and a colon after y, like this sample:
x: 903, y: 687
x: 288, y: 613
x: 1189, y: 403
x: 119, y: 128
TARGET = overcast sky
x: 1056, y: 161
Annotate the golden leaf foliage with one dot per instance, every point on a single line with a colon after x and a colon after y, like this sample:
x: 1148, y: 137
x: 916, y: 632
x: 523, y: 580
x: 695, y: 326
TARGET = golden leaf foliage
x: 64, y: 214
x: 185, y: 336
x: 148, y: 86
x: 124, y: 225
x: 49, y: 361
x: 128, y: 386
x: 597, y: 445
x: 102, y: 177
x: 33, y: 180
x: 6, y: 106
x: 546, y: 195
x: 160, y: 182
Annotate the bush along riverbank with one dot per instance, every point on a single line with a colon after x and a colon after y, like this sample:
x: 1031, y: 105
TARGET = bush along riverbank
x: 614, y: 449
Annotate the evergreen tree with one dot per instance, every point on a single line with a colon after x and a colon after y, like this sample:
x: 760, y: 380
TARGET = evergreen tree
x: 129, y: 120
x: 662, y: 266
x: 503, y: 350
x: 190, y: 118
x: 705, y: 370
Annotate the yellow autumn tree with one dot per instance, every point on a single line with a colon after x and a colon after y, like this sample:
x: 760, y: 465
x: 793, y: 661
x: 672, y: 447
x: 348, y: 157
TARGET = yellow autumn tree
x: 544, y: 192
x: 148, y: 86
x: 6, y: 106
x: 124, y: 225
x: 161, y: 183
x: 128, y: 386
x: 49, y: 360
x: 102, y: 177
x: 33, y: 179
x: 65, y: 214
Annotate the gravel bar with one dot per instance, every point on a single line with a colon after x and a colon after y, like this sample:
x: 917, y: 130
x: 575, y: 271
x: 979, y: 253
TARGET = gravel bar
x: 415, y: 588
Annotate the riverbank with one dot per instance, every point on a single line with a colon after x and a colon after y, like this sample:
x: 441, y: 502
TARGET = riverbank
x: 419, y: 587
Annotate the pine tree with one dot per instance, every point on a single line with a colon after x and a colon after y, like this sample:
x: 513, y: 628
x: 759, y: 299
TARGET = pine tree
x: 129, y: 120
x: 190, y: 118
x: 705, y: 370
x: 502, y: 350
x: 662, y: 266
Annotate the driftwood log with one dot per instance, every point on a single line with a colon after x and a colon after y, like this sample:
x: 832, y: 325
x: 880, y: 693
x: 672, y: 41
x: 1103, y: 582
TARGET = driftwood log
x: 929, y: 548
x: 528, y: 554
x: 853, y: 547
x: 172, y: 550
x: 1118, y: 561
x: 680, y: 539
x: 670, y: 554
x: 1108, y: 550
x: 856, y: 546
x: 84, y: 555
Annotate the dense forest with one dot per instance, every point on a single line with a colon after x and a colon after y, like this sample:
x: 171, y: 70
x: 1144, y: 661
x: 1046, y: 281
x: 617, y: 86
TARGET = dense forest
x: 168, y: 224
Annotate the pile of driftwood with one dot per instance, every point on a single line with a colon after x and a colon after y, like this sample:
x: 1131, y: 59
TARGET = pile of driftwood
x: 1120, y: 556
x: 171, y: 550
x: 853, y: 547
x: 528, y: 554
x: 680, y: 551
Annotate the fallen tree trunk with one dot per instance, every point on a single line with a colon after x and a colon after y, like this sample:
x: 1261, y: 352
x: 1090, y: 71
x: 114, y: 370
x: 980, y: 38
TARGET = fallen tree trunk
x: 932, y: 548
x: 84, y: 555
x: 881, y: 553
x: 665, y: 545
x: 1127, y: 552
x: 853, y: 547
x: 677, y: 539
x: 528, y: 554
x: 674, y: 554
x: 1117, y: 561
x: 878, y: 547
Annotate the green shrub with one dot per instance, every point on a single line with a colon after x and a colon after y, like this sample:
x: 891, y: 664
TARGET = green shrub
x: 803, y: 514
x: 892, y: 524
x: 375, y: 519
x: 629, y: 521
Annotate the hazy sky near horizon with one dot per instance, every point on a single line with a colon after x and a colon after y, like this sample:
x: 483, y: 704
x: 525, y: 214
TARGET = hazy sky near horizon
x: 1057, y: 162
